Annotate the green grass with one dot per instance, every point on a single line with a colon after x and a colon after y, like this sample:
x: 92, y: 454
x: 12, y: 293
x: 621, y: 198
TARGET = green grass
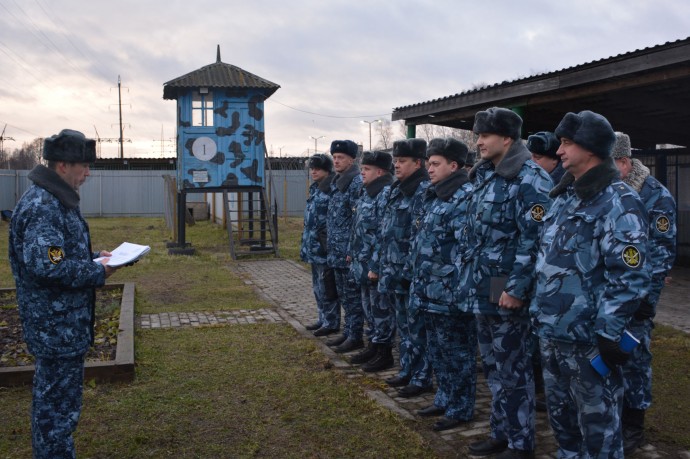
x: 290, y: 230
x: 233, y: 391
x: 225, y: 392
x: 174, y: 283
x: 667, y: 420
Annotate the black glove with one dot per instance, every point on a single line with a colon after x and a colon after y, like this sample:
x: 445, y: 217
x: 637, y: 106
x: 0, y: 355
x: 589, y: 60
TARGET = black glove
x: 611, y: 352
x: 644, y: 311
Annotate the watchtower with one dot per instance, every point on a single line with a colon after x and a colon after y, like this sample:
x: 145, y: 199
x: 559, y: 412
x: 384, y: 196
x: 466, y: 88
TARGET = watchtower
x: 221, y: 147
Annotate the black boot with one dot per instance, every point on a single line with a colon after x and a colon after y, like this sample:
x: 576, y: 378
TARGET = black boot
x: 633, y: 429
x: 349, y: 345
x: 382, y: 361
x: 366, y: 355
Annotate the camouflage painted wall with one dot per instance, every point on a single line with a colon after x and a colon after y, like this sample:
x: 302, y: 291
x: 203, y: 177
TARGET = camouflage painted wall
x: 229, y: 153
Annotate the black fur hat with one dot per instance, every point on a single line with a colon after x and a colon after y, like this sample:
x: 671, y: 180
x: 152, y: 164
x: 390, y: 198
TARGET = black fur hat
x: 70, y: 146
x: 377, y: 158
x: 321, y: 161
x: 544, y: 143
x: 410, y: 148
x: 589, y: 130
x: 471, y: 158
x: 497, y: 120
x: 345, y: 146
x: 450, y: 148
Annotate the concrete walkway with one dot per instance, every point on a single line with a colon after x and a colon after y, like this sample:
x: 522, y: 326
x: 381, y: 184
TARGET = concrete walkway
x: 287, y: 285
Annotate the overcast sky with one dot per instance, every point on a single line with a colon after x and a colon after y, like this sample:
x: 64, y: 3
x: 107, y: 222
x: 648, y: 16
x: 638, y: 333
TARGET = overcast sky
x: 337, y: 61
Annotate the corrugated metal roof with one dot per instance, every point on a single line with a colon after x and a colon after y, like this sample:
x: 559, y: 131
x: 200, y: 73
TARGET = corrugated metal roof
x: 221, y: 76
x: 549, y: 74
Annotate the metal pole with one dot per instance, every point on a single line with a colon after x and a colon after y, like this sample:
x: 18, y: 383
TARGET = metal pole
x: 119, y: 103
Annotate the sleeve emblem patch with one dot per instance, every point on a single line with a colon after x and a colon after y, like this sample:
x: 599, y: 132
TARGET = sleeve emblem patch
x: 56, y: 254
x: 663, y: 224
x: 631, y: 256
x: 537, y: 212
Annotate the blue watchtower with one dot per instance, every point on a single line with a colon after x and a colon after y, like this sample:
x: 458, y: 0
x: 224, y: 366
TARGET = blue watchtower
x: 220, y: 133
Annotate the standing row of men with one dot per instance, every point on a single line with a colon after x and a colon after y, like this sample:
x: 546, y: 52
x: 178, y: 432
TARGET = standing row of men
x: 501, y: 260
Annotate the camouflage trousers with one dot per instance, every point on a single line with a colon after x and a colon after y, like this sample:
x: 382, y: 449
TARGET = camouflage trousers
x: 56, y: 406
x: 637, y: 373
x: 584, y: 407
x: 504, y: 345
x: 383, y: 318
x: 414, y: 361
x: 452, y: 346
x: 370, y: 297
x: 349, y: 294
x: 328, y: 310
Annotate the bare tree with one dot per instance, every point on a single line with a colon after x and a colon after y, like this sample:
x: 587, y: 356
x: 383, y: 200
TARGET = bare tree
x: 385, y: 135
x: 28, y: 156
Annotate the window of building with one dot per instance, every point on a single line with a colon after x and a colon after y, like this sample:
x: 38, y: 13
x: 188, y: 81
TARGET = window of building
x: 202, y: 108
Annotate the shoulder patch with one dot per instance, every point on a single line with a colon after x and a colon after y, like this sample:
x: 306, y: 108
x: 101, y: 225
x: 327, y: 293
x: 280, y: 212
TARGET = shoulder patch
x: 537, y: 212
x: 663, y: 224
x: 55, y: 254
x: 631, y: 256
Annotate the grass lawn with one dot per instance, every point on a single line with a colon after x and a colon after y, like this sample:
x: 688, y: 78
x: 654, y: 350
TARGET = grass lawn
x: 232, y: 391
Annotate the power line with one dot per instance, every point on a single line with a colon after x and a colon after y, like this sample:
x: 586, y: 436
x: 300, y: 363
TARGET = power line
x: 45, y: 38
x: 327, y: 116
x: 66, y: 36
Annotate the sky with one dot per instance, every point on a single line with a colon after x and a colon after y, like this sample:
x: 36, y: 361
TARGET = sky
x: 338, y: 62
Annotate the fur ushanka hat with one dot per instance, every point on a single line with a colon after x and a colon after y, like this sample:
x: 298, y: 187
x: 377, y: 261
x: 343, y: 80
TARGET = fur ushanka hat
x: 590, y: 130
x: 321, y: 161
x: 70, y: 146
x: 379, y: 159
x: 621, y: 149
x: 544, y: 143
x: 450, y: 148
x: 344, y: 146
x: 410, y: 148
x: 497, y: 120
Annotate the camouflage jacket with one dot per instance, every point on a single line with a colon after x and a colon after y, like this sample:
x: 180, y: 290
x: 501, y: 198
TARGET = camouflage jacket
x: 401, y: 219
x: 313, y: 247
x: 435, y: 247
x: 592, y: 267
x: 345, y: 189
x: 52, y: 263
x: 504, y: 217
x: 661, y: 208
x: 364, y: 239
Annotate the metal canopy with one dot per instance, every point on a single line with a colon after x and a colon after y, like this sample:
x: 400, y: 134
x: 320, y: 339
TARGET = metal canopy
x: 645, y: 93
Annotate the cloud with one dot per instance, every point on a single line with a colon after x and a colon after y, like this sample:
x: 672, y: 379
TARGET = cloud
x: 59, y: 60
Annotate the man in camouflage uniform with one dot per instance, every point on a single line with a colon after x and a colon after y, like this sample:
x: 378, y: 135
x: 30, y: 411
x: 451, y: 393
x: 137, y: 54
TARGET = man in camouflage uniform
x: 313, y: 248
x: 345, y: 190
x: 401, y: 220
x: 364, y: 243
x: 52, y: 263
x: 543, y: 146
x: 451, y: 333
x: 661, y: 209
x: 592, y: 273
x: 504, y: 217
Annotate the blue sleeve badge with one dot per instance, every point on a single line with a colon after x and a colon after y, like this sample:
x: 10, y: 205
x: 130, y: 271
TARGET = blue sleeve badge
x: 631, y: 256
x: 55, y: 254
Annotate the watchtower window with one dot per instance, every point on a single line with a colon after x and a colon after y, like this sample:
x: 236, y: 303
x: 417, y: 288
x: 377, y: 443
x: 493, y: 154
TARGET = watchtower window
x: 202, y: 109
